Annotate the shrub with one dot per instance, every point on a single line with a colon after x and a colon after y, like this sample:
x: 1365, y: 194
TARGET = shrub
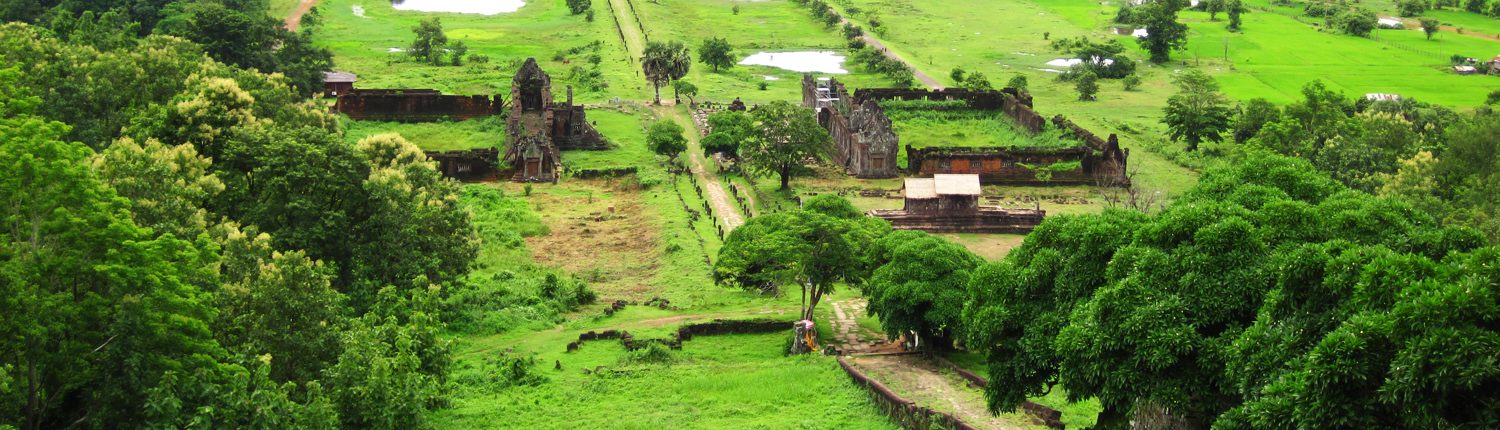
x: 652, y: 353
x: 1131, y: 82
x: 578, y: 7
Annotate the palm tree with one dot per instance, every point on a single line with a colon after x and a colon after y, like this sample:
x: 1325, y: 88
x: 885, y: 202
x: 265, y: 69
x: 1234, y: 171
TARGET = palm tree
x: 664, y: 62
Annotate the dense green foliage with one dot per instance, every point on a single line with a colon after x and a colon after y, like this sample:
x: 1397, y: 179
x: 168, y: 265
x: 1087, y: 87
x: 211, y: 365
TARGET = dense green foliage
x: 665, y: 138
x: 226, y: 258
x: 1197, y: 113
x: 235, y: 32
x: 1164, y: 33
x: 1104, y: 59
x: 729, y: 130
x: 1193, y: 309
x: 717, y: 53
x: 920, y: 285
x: 788, y: 136
x: 812, y: 248
x: 1390, y: 148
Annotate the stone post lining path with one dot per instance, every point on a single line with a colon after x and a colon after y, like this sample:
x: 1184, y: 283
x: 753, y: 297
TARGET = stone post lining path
x: 711, y: 187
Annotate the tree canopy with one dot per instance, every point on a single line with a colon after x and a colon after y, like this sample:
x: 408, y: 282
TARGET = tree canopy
x: 1197, y: 112
x: 1189, y: 310
x: 789, y: 135
x: 717, y: 53
x: 921, y: 286
x: 665, y: 138
x: 808, y: 248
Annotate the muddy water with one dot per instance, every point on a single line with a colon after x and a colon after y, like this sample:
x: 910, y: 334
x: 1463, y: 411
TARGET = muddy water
x: 482, y: 7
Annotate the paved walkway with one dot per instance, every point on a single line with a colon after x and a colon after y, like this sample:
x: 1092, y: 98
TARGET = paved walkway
x: 849, y: 336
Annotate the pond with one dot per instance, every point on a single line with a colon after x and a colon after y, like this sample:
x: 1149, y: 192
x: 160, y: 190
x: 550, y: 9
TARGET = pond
x: 482, y: 7
x: 799, y: 61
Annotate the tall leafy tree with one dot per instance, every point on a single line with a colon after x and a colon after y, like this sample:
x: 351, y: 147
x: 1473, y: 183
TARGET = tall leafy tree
x: 429, y: 42
x: 1234, y: 8
x: 96, y: 308
x: 1197, y: 112
x: 1160, y: 318
x: 729, y: 130
x: 923, y: 288
x: 664, y: 137
x: 717, y: 53
x: 807, y: 248
x: 664, y: 62
x: 789, y: 135
x: 1163, y: 33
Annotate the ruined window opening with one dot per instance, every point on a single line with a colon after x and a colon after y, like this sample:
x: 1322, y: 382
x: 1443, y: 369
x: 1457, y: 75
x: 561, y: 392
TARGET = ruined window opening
x: 878, y: 162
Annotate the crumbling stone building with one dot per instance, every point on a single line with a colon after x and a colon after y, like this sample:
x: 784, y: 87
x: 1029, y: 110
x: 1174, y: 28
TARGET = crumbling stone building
x: 537, y: 127
x: 540, y: 128
x: 863, y: 140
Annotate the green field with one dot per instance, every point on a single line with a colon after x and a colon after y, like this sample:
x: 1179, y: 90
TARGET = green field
x: 363, y: 45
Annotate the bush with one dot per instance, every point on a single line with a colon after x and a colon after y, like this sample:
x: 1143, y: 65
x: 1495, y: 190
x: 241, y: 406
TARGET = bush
x: 580, y: 6
x: 1410, y: 8
x: 763, y: 86
x: 1131, y: 82
x: 652, y: 353
x: 1355, y: 22
x: 648, y: 178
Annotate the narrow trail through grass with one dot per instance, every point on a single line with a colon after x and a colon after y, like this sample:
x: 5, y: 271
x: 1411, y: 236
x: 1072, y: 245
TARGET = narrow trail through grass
x: 634, y: 41
x: 716, y: 195
x: 295, y: 19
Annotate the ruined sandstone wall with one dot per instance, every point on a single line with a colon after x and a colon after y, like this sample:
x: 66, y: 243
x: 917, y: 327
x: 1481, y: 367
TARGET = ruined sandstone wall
x: 905, y: 413
x: 402, y: 106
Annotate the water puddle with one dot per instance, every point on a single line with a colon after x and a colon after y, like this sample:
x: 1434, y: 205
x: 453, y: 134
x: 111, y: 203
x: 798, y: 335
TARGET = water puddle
x: 1137, y: 32
x: 799, y: 61
x: 482, y: 7
x: 1390, y: 22
x: 1070, y: 62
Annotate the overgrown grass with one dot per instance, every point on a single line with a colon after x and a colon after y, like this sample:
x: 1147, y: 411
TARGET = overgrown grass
x: 731, y: 381
x: 540, y: 29
x: 487, y: 132
x: 759, y: 26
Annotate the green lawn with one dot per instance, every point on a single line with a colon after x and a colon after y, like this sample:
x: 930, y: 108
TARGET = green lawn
x: 1469, y: 21
x: 283, y: 8
x: 437, y: 136
x: 540, y: 29
x: 775, y: 25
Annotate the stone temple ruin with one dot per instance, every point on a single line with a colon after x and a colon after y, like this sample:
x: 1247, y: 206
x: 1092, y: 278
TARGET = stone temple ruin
x: 537, y: 127
x: 947, y: 203
x: 866, y: 145
x: 863, y: 140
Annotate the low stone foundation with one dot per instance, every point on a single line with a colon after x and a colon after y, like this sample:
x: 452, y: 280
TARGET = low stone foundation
x: 984, y: 220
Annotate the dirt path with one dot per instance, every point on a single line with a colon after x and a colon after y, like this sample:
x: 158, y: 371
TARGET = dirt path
x: 296, y: 17
x: 634, y: 41
x: 916, y: 72
x: 717, y: 197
